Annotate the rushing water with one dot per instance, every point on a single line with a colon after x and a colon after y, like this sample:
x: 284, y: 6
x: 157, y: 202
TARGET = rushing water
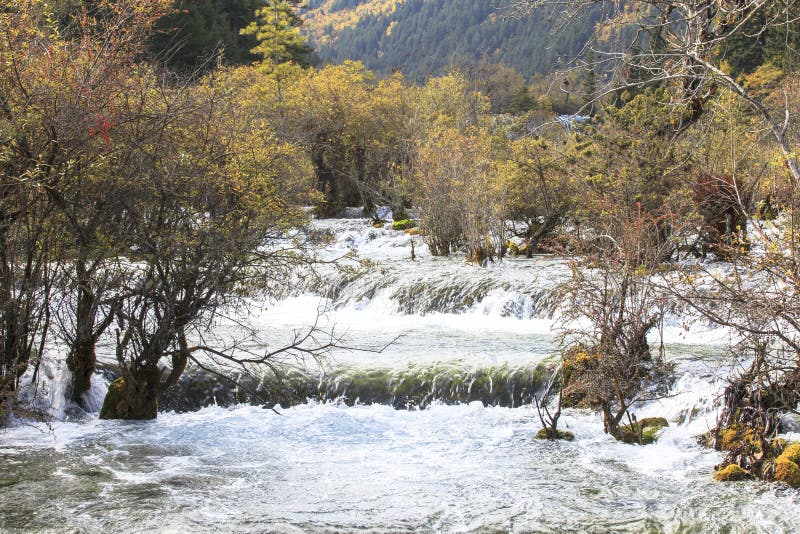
x: 347, y: 460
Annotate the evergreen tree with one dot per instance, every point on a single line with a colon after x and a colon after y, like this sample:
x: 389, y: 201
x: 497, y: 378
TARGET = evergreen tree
x: 277, y: 32
x: 196, y: 30
x: 744, y: 51
x: 438, y: 31
x: 782, y: 42
x: 522, y: 101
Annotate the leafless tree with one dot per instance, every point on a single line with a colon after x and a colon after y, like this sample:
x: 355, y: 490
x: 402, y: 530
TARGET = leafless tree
x: 610, y: 305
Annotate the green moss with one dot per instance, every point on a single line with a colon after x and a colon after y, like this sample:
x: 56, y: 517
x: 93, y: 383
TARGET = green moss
x: 112, y: 399
x: 552, y: 434
x: 648, y: 428
x: 403, y: 224
x: 731, y: 473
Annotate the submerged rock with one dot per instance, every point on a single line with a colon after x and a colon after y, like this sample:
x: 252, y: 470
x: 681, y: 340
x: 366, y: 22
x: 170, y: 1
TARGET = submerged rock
x: 113, y: 396
x: 404, y: 224
x: 124, y: 401
x: 554, y: 433
x: 646, y: 428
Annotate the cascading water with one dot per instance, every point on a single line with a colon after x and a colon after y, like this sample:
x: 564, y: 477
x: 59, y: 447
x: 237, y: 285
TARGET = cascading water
x: 433, y: 433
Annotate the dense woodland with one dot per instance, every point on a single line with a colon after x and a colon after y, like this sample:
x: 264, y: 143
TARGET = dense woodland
x: 421, y: 38
x: 137, y: 198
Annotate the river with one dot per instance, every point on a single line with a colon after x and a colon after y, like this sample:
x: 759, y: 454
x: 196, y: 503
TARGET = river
x: 434, y: 433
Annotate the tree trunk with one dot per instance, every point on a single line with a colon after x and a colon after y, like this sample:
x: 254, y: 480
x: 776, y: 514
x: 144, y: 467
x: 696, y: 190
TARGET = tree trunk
x: 179, y: 361
x: 81, y: 362
x: 611, y: 422
x: 81, y: 359
x: 134, y: 396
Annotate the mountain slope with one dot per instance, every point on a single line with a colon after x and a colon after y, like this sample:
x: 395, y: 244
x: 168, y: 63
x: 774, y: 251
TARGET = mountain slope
x: 424, y: 37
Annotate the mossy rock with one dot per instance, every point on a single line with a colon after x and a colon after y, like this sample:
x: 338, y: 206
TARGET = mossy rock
x: 120, y: 403
x: 788, y: 472
x: 787, y: 466
x: 553, y: 434
x: 731, y: 473
x: 647, y: 427
x: 403, y: 224
x: 112, y: 399
x: 577, y: 364
x: 791, y: 453
x: 738, y: 437
x: 413, y: 231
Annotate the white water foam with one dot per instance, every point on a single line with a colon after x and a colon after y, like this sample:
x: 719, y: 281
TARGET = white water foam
x: 448, y: 468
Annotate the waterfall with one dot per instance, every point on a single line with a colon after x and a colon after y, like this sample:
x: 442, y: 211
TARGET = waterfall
x: 461, y: 333
x: 420, y: 422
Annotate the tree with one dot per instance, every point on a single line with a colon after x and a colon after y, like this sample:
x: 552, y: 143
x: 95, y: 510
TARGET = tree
x: 629, y: 167
x: 327, y: 111
x: 358, y: 133
x: 684, y: 50
x: 611, y: 306
x: 101, y: 77
x: 521, y: 101
x: 458, y: 198
x: 541, y: 193
x: 128, y: 199
x: 61, y: 73
x: 756, y: 295
x: 496, y: 81
x: 192, y: 32
x: 680, y: 44
x: 277, y: 33
x: 204, y: 214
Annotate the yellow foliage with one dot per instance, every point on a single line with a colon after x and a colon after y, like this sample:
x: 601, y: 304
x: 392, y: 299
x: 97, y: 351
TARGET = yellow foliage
x: 317, y: 19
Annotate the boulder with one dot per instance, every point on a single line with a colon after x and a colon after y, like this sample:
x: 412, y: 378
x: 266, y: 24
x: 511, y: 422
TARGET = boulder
x: 554, y: 433
x: 787, y: 466
x: 731, y: 473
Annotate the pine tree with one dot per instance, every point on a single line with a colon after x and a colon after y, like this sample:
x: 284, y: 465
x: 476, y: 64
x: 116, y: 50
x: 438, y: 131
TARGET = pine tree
x: 277, y: 31
x: 194, y: 32
x: 522, y: 101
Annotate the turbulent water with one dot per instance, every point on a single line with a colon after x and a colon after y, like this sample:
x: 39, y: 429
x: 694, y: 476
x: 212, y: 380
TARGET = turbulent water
x: 432, y: 433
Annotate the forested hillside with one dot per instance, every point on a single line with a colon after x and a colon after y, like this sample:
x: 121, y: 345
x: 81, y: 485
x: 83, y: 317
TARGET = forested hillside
x: 424, y: 37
